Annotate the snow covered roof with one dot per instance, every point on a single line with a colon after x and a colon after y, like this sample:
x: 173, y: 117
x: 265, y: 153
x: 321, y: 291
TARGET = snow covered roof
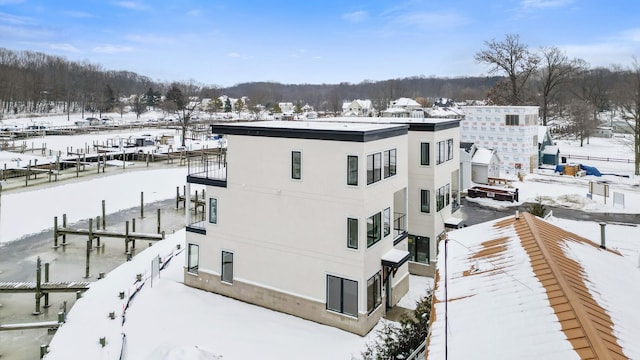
x: 519, y: 286
x: 553, y: 150
x: 405, y: 102
x: 482, y: 156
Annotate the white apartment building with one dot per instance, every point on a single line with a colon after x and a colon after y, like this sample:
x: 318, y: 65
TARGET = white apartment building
x: 307, y: 218
x: 510, y: 130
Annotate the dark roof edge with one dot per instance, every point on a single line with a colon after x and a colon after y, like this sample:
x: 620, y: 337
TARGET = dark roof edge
x: 313, y: 134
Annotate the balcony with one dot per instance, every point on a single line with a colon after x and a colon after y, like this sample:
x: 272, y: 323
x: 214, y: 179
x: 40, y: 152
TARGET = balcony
x: 399, y: 227
x: 208, y: 169
x: 197, y: 224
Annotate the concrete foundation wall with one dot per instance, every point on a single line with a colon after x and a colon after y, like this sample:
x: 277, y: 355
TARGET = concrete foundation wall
x: 422, y: 269
x: 305, y: 308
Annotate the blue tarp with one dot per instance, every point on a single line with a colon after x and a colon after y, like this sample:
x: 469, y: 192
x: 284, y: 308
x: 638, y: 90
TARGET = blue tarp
x: 590, y: 170
x: 560, y: 169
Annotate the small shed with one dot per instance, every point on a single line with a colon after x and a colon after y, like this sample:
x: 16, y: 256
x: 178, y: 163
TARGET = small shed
x: 485, y: 163
x: 550, y: 155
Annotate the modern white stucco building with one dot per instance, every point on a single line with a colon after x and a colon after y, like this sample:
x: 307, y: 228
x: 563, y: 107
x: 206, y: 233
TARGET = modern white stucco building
x: 510, y: 130
x: 307, y: 218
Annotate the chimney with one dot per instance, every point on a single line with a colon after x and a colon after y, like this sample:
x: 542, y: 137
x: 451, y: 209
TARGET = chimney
x: 602, y: 237
x: 517, y: 214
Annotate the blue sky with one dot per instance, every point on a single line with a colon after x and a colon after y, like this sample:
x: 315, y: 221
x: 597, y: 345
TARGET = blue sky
x: 222, y: 43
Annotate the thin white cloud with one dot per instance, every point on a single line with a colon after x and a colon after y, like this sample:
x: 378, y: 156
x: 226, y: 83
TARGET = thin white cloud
x: 233, y: 55
x: 632, y: 35
x: 356, y: 16
x: 64, y: 47
x: 7, y: 2
x: 544, y: 4
x: 111, y: 49
x: 132, y: 5
x: 15, y: 19
x: 150, y: 39
x: 429, y: 20
x: 78, y: 14
x: 603, y: 53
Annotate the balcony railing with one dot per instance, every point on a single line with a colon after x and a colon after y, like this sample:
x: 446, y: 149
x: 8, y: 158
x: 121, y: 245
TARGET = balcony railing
x: 207, y: 169
x: 399, y: 225
x: 197, y: 224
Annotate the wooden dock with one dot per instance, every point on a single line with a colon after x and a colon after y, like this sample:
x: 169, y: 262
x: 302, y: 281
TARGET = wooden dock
x: 58, y: 286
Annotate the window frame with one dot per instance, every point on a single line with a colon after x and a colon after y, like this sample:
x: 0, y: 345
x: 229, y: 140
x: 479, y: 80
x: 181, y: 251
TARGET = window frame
x: 377, y: 167
x: 414, y: 243
x: 226, y: 273
x: 425, y: 201
x: 512, y: 120
x: 213, y: 210
x: 389, y: 163
x: 352, y: 226
x: 352, y: 173
x: 374, y: 229
x: 333, y: 280
x: 374, y: 292
x: 386, y: 222
x: 193, y: 269
x: 425, y: 153
x: 296, y: 171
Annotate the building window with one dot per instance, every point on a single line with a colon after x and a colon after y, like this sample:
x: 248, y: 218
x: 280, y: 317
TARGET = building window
x: 418, y: 248
x: 512, y: 120
x: 352, y: 233
x: 377, y: 167
x: 213, y: 210
x: 389, y: 163
x: 442, y: 197
x: 455, y: 190
x: 449, y: 149
x: 425, y: 200
x: 227, y: 267
x: 373, y: 229
x: 387, y: 221
x: 440, y: 155
x: 424, y: 153
x: 193, y: 258
x: 352, y: 170
x: 342, y: 295
x: 374, y: 290
x: 374, y: 168
x: 296, y: 165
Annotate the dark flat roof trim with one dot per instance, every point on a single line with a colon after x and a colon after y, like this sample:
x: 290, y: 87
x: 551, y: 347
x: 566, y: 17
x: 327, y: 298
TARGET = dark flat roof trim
x: 439, y: 126
x: 196, y: 230
x: 396, y: 265
x: 313, y: 134
x: 206, y: 181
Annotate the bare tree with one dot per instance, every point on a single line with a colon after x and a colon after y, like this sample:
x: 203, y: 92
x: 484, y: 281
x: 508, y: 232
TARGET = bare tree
x: 512, y: 58
x: 555, y: 72
x: 627, y: 100
x: 183, y: 99
x: 581, y: 120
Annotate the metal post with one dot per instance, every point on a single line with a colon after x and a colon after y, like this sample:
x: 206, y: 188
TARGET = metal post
x: 46, y: 280
x: 64, y: 226
x: 141, y: 204
x: 133, y: 229
x: 158, y: 221
x: 126, y: 237
x: 177, y: 194
x: 90, y: 234
x: 86, y: 268
x: 104, y: 217
x: 38, y: 286
x: 55, y: 232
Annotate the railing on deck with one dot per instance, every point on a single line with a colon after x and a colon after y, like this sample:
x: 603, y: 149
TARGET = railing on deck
x: 208, y: 166
x: 399, y: 224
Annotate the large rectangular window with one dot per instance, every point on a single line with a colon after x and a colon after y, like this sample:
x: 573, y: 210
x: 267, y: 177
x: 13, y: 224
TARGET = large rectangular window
x: 193, y: 258
x: 374, y: 291
x: 374, y: 168
x: 296, y: 165
x: 449, y: 149
x: 441, y: 155
x: 442, y: 197
x: 352, y: 170
x: 227, y: 267
x: 425, y: 200
x: 373, y: 229
x: 386, y: 222
x: 512, y: 120
x: 213, y: 210
x: 352, y: 233
x: 342, y: 295
x: 424, y: 153
x: 389, y: 163
x: 418, y: 248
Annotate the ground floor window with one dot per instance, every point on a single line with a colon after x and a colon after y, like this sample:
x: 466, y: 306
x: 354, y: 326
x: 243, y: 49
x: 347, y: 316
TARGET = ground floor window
x: 342, y: 295
x: 193, y: 258
x: 419, y: 248
x: 227, y: 267
x: 374, y: 291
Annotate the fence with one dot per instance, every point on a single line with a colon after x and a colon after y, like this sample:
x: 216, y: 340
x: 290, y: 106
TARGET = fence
x: 595, y: 158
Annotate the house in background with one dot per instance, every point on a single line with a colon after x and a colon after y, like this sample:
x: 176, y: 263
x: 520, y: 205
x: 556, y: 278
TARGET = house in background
x: 521, y: 287
x: 510, y: 130
x: 358, y: 108
x: 485, y: 164
x: 404, y: 108
x: 307, y: 218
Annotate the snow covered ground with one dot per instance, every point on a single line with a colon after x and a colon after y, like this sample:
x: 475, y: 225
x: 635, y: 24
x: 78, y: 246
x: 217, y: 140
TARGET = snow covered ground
x: 171, y: 321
